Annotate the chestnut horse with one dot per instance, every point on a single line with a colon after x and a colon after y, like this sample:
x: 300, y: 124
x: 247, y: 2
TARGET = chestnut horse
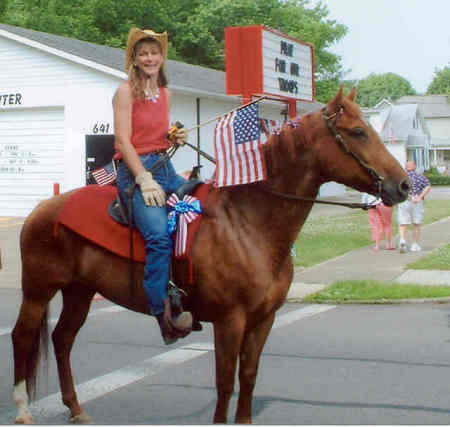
x: 243, y: 266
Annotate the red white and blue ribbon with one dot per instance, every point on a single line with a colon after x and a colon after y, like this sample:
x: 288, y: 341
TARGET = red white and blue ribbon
x: 183, y: 212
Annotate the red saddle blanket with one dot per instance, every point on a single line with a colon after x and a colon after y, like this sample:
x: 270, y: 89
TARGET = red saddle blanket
x: 86, y: 213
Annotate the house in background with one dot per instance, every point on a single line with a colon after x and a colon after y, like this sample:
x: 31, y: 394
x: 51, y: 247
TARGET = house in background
x: 404, y: 131
x: 436, y: 111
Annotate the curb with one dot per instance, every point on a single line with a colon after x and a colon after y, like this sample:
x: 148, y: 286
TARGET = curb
x: 442, y: 300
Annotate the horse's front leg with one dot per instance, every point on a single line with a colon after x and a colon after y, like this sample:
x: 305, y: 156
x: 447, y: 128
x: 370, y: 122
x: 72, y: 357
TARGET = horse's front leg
x: 228, y: 335
x: 251, y: 350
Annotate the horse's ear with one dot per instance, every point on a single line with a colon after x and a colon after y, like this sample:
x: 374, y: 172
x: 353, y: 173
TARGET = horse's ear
x: 352, y: 94
x: 336, y: 103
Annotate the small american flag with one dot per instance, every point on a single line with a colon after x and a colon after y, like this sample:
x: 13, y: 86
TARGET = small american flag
x: 268, y: 126
x: 105, y: 175
x: 238, y: 146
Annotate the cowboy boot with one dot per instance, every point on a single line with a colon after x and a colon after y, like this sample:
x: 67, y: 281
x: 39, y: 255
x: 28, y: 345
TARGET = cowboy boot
x: 173, y: 328
x: 165, y: 327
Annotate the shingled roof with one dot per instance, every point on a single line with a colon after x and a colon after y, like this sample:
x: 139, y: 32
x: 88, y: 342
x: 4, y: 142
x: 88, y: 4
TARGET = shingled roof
x: 180, y: 74
x: 432, y: 106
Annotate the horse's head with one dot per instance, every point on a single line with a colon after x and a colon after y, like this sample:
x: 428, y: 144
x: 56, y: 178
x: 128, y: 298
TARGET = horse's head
x: 352, y: 153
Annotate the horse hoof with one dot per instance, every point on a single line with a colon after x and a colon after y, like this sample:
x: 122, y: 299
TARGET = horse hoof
x: 24, y: 419
x: 82, y: 418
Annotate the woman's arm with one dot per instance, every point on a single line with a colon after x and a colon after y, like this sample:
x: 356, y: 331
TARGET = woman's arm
x: 180, y: 136
x: 122, y: 106
x: 169, y: 98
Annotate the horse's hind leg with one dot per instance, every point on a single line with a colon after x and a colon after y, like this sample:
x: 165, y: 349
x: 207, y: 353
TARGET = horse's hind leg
x: 25, y: 337
x: 76, y: 304
x: 251, y: 350
x: 228, y: 335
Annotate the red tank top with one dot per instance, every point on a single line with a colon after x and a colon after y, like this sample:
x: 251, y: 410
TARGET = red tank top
x: 149, y: 125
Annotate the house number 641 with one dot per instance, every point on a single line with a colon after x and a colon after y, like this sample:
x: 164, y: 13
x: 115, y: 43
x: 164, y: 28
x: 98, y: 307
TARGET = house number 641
x: 100, y: 128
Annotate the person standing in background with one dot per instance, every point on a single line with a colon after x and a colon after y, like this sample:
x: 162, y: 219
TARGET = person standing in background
x: 380, y: 220
x: 412, y: 211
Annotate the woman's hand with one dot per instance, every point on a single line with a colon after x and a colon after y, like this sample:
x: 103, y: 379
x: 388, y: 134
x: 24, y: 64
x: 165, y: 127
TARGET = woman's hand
x: 152, y: 192
x: 180, y: 136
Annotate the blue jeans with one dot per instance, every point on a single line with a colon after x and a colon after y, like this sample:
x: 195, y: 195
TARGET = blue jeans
x: 151, y: 221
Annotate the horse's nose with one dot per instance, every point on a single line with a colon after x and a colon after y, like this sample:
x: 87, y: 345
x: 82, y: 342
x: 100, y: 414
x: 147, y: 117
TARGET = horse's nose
x: 404, y: 187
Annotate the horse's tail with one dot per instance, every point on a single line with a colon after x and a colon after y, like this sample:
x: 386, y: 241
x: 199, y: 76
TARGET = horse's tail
x: 39, y: 351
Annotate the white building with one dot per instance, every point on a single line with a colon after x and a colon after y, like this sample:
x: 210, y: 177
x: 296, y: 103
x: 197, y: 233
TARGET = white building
x: 404, y: 131
x: 56, y: 118
x: 436, y: 111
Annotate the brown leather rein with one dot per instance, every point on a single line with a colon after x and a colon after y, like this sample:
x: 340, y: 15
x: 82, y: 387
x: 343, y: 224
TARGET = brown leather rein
x: 338, y: 137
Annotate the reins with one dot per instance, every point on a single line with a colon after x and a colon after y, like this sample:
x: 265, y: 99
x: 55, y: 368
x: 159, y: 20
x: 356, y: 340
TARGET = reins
x: 354, y: 205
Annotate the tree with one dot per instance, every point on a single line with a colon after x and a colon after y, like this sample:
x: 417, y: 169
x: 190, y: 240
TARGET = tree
x: 195, y: 27
x: 3, y: 5
x: 376, y: 87
x: 441, y: 82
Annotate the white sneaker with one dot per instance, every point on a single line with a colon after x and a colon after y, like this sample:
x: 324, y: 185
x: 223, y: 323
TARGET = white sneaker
x: 402, y: 246
x: 415, y: 247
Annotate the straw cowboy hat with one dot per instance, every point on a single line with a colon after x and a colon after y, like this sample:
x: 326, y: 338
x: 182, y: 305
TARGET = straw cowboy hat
x: 136, y: 35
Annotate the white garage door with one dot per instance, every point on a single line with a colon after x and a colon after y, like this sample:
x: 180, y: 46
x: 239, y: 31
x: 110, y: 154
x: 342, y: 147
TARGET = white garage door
x: 31, y: 157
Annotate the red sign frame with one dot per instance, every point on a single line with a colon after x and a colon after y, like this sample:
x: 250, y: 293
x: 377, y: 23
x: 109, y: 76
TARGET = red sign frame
x: 245, y: 66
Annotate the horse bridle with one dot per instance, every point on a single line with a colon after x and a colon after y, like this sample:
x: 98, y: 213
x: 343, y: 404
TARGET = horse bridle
x: 332, y: 128
x: 378, y: 179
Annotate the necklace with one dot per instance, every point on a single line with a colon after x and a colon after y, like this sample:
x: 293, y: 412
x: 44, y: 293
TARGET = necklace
x: 151, y: 95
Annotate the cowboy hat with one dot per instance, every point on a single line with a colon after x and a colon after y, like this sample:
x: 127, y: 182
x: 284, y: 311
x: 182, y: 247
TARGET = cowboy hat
x: 136, y: 35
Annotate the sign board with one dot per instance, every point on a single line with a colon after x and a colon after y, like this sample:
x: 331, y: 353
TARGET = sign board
x: 263, y: 61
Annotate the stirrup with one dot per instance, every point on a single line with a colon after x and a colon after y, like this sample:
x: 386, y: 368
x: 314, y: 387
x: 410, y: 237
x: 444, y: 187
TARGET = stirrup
x: 175, y: 295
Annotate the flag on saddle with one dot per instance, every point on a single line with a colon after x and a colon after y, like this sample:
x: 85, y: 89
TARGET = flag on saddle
x: 182, y: 213
x: 105, y: 175
x: 239, y: 148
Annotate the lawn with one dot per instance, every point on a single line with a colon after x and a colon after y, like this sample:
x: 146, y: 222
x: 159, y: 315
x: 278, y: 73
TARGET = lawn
x: 439, y: 259
x: 374, y: 291
x: 327, y: 237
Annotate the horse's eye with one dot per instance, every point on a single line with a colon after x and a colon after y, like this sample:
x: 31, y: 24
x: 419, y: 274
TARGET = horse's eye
x: 359, y: 133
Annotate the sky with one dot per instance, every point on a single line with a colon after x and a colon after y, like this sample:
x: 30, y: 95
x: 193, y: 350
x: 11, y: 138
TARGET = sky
x: 410, y: 38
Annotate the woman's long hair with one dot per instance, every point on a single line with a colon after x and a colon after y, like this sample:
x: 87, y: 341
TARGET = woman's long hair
x: 135, y: 75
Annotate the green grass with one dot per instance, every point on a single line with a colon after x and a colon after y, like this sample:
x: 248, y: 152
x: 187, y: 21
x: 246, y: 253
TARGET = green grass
x: 375, y: 291
x: 327, y: 237
x: 439, y: 259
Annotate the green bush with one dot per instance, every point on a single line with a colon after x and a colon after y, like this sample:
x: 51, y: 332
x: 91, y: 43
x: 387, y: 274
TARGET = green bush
x: 440, y: 180
x: 436, y: 179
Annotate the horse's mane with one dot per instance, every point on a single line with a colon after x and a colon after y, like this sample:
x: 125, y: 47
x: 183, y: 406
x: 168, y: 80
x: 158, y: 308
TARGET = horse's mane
x: 284, y: 142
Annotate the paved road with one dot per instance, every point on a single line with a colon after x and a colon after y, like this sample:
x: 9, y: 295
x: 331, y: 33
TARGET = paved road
x: 340, y: 365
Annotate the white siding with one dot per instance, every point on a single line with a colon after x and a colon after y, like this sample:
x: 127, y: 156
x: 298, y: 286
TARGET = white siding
x: 439, y: 127
x: 398, y: 150
x: 31, y: 157
x: 24, y: 67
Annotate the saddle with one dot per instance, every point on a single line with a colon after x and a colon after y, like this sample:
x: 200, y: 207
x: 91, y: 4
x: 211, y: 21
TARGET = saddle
x: 119, y: 209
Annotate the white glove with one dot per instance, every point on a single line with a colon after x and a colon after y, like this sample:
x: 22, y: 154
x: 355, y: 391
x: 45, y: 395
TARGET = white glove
x: 181, y: 136
x: 152, y: 192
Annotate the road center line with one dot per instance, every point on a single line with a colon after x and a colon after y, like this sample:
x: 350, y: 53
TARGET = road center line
x: 52, y: 405
x: 302, y: 313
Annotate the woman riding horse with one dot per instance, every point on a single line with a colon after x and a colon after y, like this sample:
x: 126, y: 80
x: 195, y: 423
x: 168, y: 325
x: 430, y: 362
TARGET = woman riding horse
x: 141, y: 122
x: 241, y: 255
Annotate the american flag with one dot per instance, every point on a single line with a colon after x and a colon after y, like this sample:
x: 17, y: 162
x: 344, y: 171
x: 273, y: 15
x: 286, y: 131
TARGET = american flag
x: 105, y: 175
x: 268, y: 126
x: 238, y: 146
